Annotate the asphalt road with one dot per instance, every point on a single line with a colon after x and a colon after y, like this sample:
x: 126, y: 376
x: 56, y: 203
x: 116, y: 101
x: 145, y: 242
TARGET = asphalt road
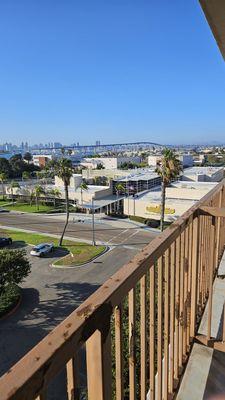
x: 50, y: 294
x: 105, y: 232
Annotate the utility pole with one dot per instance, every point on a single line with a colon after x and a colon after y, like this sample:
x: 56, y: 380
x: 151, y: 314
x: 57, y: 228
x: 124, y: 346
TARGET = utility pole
x: 93, y: 222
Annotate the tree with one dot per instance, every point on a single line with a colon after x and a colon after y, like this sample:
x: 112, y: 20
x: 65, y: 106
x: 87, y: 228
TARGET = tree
x: 3, y: 178
x: 28, y: 157
x: 38, y: 191
x: 100, y: 166
x: 119, y: 187
x: 26, y: 175
x: 13, y: 185
x: 5, y: 167
x: 14, y: 267
x: 18, y: 166
x: 168, y: 169
x: 64, y: 170
x: 83, y: 186
x: 56, y: 194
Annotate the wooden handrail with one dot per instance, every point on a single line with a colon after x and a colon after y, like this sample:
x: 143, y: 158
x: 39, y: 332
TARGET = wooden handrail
x: 213, y: 211
x: 32, y: 374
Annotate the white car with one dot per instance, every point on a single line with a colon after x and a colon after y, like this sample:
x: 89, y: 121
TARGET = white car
x: 41, y: 249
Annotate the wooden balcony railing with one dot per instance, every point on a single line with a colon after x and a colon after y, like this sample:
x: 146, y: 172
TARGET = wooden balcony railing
x: 134, y: 334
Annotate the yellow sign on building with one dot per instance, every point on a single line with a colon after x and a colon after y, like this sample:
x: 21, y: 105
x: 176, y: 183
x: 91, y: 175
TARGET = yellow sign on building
x: 157, y: 209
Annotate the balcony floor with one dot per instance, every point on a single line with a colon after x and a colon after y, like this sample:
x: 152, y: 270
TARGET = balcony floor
x: 205, y: 372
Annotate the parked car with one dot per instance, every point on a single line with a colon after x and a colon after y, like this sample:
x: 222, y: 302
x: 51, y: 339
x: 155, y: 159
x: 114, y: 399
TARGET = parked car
x: 5, y: 241
x: 42, y: 249
x: 3, y: 210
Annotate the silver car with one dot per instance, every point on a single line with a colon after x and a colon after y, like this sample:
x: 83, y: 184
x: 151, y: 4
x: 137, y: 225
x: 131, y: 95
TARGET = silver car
x: 42, y: 249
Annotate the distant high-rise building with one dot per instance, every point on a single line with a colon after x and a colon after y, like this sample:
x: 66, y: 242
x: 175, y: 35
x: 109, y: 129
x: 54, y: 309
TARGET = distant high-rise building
x: 57, y: 145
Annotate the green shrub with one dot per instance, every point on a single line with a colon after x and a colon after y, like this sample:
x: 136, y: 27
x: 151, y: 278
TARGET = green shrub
x: 137, y: 219
x: 14, y: 267
x: 9, y: 298
x: 153, y: 223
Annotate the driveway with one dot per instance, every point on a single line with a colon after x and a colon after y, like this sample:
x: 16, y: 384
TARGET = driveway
x: 50, y: 294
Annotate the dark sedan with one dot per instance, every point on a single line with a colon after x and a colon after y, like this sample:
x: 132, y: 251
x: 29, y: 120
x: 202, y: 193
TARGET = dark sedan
x: 5, y: 241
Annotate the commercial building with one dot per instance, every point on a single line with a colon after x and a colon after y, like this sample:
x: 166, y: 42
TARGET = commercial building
x: 180, y: 196
x: 107, y: 162
x: 79, y: 195
x: 185, y: 159
x: 203, y: 174
x: 137, y: 182
x: 108, y: 173
x: 41, y: 159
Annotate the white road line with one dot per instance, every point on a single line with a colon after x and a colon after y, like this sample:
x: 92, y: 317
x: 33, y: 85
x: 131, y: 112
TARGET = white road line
x: 133, y: 234
x: 117, y: 235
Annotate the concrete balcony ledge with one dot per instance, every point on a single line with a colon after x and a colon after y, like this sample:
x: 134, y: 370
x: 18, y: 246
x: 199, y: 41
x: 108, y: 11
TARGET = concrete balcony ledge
x: 205, y: 372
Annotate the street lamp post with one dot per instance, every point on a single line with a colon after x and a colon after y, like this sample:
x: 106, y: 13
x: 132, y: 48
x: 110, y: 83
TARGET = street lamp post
x: 93, y: 222
x: 128, y: 204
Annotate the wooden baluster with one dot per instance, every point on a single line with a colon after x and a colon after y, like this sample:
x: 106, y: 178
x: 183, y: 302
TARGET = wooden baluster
x: 172, y: 317
x: 159, y: 328
x: 132, y: 355
x: 204, y: 288
x: 119, y: 353
x: 177, y: 307
x: 143, y: 332
x: 72, y: 369
x: 218, y: 230
x: 181, y: 312
x: 194, y: 275
x: 42, y: 395
x: 208, y: 251
x: 223, y: 335
x: 99, y: 369
x: 152, y: 294
x: 211, y: 274
x: 200, y: 263
x: 166, y: 327
x: 186, y: 267
x: 190, y: 247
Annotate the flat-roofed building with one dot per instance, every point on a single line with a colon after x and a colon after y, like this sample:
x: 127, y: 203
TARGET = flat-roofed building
x: 180, y: 196
x: 138, y: 181
x: 185, y: 159
x: 203, y: 174
x: 41, y: 159
x: 108, y: 162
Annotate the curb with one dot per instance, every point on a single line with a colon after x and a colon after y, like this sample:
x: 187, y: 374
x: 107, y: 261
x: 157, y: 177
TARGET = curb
x: 13, y: 309
x: 107, y: 248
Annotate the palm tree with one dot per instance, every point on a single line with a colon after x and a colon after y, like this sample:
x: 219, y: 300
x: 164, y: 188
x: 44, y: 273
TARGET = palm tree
x: 168, y: 169
x: 120, y: 188
x: 13, y: 185
x: 64, y: 170
x: 56, y: 194
x: 83, y: 186
x: 3, y: 178
x: 38, y: 191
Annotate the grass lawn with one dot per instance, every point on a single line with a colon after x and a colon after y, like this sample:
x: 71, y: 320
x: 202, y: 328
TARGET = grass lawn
x: 23, y: 207
x: 26, y: 207
x: 78, y: 253
x: 4, y: 202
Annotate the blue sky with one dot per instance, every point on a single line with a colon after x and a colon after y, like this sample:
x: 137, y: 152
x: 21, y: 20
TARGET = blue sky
x: 110, y: 70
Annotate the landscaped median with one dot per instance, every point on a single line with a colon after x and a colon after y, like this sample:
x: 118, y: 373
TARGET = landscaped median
x: 76, y: 253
